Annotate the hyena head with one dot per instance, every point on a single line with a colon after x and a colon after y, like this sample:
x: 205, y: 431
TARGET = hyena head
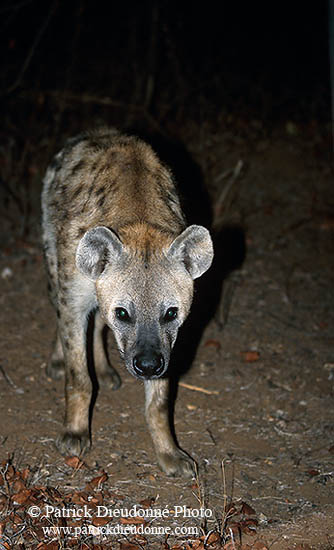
x: 145, y: 290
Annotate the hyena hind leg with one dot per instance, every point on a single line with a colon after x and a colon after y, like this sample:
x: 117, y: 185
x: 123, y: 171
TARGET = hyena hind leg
x: 106, y: 374
x: 56, y: 367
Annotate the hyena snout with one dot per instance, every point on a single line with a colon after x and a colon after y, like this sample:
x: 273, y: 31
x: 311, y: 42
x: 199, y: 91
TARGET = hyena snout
x: 148, y: 364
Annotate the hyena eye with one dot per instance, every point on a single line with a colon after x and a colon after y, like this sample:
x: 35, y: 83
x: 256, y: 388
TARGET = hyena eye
x: 170, y: 314
x: 122, y: 314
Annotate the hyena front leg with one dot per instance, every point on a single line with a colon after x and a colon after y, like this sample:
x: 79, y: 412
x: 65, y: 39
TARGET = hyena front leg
x: 105, y: 372
x: 75, y: 438
x: 171, y: 459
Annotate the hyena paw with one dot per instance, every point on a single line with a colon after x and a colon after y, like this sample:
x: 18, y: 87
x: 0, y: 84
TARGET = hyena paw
x: 177, y: 464
x: 73, y: 444
x: 55, y: 369
x: 109, y: 378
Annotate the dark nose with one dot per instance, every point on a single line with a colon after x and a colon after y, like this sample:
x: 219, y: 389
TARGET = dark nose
x: 148, y: 364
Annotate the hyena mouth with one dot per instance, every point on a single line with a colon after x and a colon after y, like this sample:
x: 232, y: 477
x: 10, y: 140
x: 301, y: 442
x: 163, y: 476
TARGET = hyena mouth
x: 148, y: 364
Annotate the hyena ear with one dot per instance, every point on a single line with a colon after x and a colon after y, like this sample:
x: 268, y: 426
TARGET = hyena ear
x: 194, y: 248
x: 97, y: 247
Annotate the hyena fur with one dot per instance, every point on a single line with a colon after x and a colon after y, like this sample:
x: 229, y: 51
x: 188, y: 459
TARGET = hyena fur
x: 116, y: 243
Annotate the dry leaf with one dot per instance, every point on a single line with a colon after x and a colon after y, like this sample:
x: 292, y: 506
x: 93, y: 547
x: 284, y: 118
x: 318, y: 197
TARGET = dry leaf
x: 129, y: 546
x: 212, y: 538
x: 250, y: 356
x: 16, y: 519
x: 10, y: 473
x: 22, y: 496
x: 247, y: 529
x: 235, y: 526
x: 25, y: 474
x: 98, y: 499
x: 80, y: 498
x: 247, y: 510
x: 48, y: 492
x: 18, y: 485
x: 99, y: 521
x: 213, y: 343
x: 197, y: 544
x: 98, y: 480
x: 48, y: 546
x: 251, y: 522
x: 313, y: 473
x: 74, y: 462
x: 147, y: 502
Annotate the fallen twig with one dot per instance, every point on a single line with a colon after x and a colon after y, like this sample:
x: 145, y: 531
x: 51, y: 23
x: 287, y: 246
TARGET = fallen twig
x: 10, y: 381
x: 198, y: 388
x: 222, y: 204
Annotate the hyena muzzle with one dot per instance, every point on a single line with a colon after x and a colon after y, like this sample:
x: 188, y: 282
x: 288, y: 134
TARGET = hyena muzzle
x: 116, y: 244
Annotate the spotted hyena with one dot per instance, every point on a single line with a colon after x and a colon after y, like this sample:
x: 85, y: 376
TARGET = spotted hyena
x: 116, y: 244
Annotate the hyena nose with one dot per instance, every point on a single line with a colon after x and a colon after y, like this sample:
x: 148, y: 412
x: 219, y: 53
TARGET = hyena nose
x: 148, y: 364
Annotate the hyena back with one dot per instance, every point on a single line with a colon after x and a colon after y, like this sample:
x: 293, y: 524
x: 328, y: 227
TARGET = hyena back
x: 116, y: 243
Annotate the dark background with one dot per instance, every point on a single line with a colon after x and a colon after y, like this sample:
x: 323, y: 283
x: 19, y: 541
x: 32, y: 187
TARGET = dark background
x: 169, y: 68
x: 230, y: 53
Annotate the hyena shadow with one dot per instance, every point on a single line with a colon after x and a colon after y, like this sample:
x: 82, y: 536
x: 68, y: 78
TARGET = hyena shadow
x: 229, y: 254
x: 208, y: 302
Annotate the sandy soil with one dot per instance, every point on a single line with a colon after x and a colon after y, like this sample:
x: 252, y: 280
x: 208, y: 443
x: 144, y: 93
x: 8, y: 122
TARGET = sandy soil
x: 264, y: 434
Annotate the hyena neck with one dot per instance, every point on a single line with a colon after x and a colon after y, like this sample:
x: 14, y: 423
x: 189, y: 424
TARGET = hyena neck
x: 145, y: 239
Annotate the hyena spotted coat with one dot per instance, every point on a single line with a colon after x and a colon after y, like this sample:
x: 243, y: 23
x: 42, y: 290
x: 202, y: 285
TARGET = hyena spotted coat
x: 116, y: 243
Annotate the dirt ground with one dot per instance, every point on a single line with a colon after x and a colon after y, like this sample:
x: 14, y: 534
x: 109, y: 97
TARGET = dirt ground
x: 260, y: 420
